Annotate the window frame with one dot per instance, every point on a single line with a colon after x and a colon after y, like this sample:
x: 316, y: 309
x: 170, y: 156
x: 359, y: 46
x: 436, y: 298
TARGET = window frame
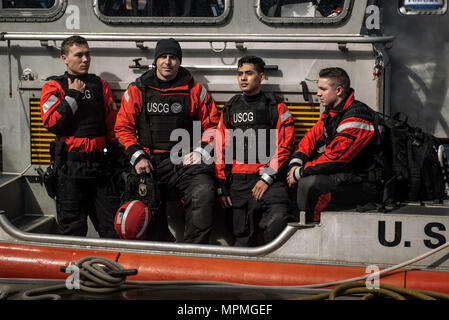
x: 228, y: 4
x: 34, y: 14
x: 347, y: 9
x: 403, y: 11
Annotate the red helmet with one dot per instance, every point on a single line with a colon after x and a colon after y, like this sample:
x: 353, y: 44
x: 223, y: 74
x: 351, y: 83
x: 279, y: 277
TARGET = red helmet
x: 132, y: 219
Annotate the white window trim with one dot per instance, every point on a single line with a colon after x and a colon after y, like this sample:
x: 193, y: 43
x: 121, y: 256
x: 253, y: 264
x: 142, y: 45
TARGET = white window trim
x: 347, y: 7
x: 34, y: 14
x: 164, y: 20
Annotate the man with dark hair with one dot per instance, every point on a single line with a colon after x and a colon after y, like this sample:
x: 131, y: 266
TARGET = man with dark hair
x: 250, y: 181
x: 343, y: 174
x: 79, y: 108
x: 163, y: 101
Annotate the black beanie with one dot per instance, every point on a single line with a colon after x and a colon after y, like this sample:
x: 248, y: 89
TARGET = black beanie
x: 170, y: 46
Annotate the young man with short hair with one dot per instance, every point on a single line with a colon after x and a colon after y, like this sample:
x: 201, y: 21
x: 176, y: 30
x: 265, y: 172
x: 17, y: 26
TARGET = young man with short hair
x: 250, y: 182
x: 79, y: 108
x: 343, y: 175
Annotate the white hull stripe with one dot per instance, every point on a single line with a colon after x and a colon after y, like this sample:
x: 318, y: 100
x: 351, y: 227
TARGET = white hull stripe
x: 355, y: 125
x: 49, y: 103
x: 125, y: 215
x: 147, y: 219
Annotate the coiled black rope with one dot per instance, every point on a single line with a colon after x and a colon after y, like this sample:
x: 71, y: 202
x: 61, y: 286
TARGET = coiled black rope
x: 385, y: 291
x: 96, y: 275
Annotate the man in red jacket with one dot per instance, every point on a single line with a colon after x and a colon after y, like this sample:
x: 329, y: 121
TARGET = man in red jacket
x: 160, y: 104
x: 344, y: 174
x: 79, y: 108
x: 254, y: 140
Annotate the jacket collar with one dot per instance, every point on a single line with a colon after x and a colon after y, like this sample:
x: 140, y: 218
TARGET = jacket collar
x: 182, y: 78
x: 342, y: 106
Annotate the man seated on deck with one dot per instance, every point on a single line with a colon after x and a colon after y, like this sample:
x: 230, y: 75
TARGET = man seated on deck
x: 342, y: 175
x: 250, y: 182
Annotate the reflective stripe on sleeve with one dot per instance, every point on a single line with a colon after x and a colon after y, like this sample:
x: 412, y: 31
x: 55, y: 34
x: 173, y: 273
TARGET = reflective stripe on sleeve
x: 72, y: 103
x: 203, y: 94
x: 203, y: 153
x: 297, y: 161
x: 285, y: 116
x: 355, y: 125
x: 136, y: 155
x: 49, y: 103
x: 268, y: 179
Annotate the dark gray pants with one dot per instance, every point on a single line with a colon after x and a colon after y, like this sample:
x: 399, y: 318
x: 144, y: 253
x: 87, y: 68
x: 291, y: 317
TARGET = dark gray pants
x: 195, y: 187
x: 270, y: 214
x: 341, y: 190
x: 86, y: 190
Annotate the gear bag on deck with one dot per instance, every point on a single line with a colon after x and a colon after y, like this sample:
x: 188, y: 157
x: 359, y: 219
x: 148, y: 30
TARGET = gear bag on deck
x: 409, y: 159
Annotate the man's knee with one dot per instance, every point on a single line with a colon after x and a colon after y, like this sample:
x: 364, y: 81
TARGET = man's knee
x: 314, y: 182
x: 202, y: 193
x: 275, y: 220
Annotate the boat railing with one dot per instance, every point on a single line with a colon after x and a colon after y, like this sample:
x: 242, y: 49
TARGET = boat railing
x: 17, y: 235
x: 239, y: 38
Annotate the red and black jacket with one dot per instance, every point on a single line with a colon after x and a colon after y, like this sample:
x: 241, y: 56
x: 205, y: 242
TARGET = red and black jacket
x: 168, y: 106
x: 348, y: 133
x: 262, y: 114
x: 83, y: 121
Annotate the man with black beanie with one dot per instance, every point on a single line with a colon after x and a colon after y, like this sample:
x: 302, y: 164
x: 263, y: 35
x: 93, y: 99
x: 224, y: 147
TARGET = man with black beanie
x: 165, y: 101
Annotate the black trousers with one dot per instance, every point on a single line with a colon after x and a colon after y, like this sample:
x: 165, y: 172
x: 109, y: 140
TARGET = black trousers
x: 86, y: 189
x: 339, y: 191
x: 269, y: 215
x: 195, y: 187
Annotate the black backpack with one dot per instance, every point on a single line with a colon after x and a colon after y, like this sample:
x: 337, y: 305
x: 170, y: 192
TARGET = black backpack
x: 413, y: 162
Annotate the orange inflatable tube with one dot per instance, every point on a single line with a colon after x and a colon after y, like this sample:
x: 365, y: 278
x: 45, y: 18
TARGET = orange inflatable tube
x: 21, y: 261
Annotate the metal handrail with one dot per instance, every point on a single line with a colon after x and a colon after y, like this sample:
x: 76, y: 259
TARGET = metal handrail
x: 182, y: 37
x: 117, y: 244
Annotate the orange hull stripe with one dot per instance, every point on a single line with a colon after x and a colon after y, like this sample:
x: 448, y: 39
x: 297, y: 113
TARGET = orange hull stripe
x: 22, y: 261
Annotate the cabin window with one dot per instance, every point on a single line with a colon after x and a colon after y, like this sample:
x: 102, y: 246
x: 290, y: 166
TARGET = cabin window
x: 422, y: 7
x: 27, y: 4
x: 162, y: 11
x: 302, y: 11
x: 31, y: 10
